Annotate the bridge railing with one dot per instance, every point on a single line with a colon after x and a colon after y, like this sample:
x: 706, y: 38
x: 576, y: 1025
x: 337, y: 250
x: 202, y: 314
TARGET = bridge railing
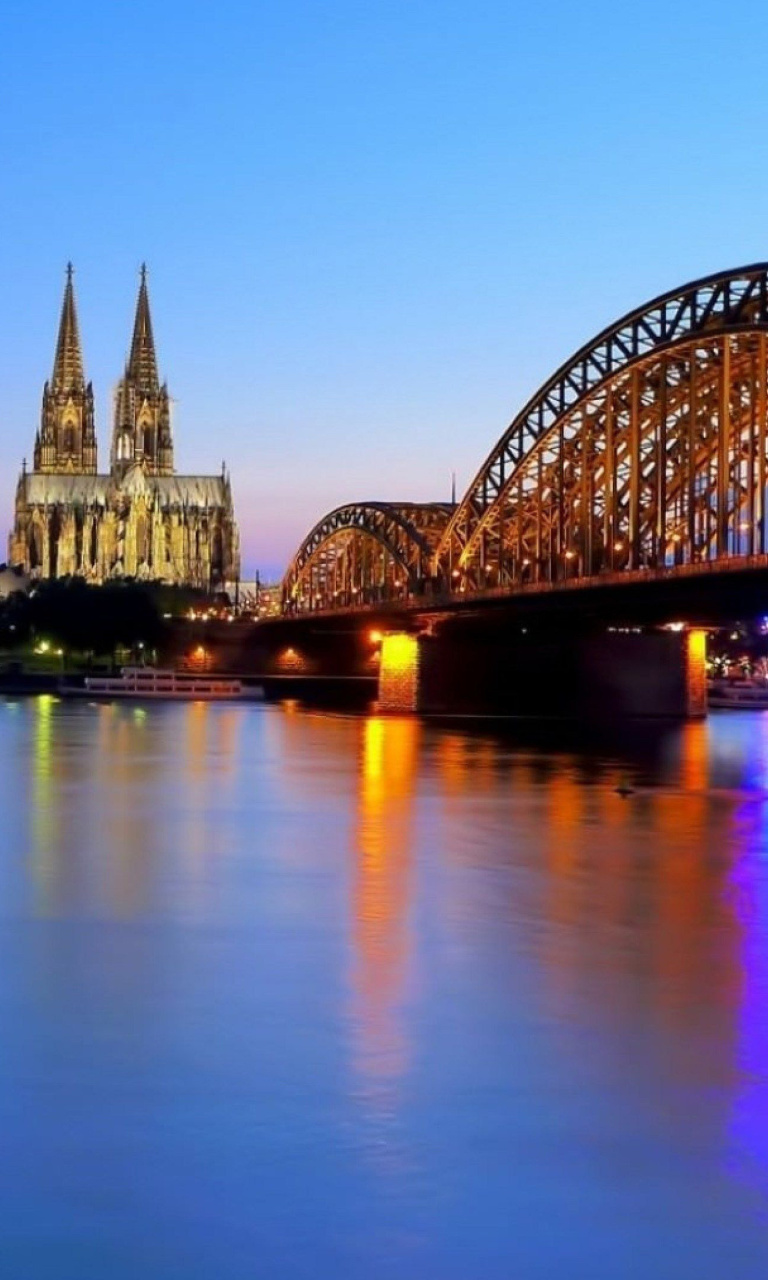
x: 446, y: 598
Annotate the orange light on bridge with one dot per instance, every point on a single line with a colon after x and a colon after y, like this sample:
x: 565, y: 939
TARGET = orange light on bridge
x: 696, y: 644
x: 291, y: 662
x: 402, y: 650
x: 199, y: 659
x: 399, y: 677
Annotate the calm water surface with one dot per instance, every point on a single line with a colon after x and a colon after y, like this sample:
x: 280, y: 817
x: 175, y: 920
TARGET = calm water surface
x: 295, y: 995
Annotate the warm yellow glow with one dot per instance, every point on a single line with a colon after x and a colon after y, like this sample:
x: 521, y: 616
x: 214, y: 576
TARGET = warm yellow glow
x: 675, y: 626
x: 290, y: 661
x: 399, y: 672
x: 375, y: 637
x: 400, y: 650
x: 697, y: 645
x: 381, y: 888
x: 697, y: 672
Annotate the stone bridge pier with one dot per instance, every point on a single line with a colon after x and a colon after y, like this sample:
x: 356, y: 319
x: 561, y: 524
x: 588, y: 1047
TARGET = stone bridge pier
x: 610, y: 674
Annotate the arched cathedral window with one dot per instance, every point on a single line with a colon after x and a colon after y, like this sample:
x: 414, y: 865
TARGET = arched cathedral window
x: 142, y: 541
x: 54, y: 529
x: 35, y: 546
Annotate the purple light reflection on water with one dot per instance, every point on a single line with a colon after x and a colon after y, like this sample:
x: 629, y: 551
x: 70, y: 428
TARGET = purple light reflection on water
x: 744, y: 741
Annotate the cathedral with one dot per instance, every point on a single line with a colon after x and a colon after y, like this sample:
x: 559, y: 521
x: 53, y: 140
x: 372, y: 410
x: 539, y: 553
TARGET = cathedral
x: 138, y: 520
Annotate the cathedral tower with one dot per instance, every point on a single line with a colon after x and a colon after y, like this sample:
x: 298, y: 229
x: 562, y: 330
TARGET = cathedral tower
x: 141, y: 521
x: 142, y: 426
x: 66, y: 440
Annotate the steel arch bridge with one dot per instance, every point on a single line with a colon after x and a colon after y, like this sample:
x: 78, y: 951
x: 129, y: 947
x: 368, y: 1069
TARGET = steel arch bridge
x: 364, y: 553
x: 647, y: 450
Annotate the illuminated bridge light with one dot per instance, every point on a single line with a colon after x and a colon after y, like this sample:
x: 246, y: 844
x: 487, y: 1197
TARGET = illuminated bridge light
x: 696, y: 671
x: 291, y: 662
x: 399, y: 672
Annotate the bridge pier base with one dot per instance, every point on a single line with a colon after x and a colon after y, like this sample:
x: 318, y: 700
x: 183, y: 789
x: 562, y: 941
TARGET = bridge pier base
x: 611, y: 674
x: 657, y: 673
x: 400, y: 672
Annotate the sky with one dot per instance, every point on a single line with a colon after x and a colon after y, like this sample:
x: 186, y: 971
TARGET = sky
x: 372, y: 229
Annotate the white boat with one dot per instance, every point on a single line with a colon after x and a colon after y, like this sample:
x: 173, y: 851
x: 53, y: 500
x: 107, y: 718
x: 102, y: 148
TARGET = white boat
x: 153, y: 682
x: 741, y: 694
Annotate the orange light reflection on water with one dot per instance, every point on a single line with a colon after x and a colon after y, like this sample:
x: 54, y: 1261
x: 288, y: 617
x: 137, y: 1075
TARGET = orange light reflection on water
x: 381, y: 887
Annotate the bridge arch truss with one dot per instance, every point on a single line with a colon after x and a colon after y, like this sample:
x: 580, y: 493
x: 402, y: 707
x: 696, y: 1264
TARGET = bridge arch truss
x: 646, y: 449
x: 365, y: 553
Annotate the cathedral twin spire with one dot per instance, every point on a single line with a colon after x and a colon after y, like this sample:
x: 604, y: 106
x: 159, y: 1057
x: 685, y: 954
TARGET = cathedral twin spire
x: 68, y: 362
x: 142, y: 362
x: 66, y: 441
x: 142, y: 428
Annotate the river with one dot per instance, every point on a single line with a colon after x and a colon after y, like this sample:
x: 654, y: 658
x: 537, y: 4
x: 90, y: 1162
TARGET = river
x: 289, y: 994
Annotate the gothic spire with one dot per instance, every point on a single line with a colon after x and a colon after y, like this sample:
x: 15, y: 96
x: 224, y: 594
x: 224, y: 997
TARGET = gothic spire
x: 68, y: 363
x: 142, y: 362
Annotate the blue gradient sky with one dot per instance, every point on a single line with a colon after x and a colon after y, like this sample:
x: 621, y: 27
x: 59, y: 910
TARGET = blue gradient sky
x: 372, y: 228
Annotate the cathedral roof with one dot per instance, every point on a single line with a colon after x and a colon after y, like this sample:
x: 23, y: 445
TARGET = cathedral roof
x: 43, y: 489
x: 68, y: 362
x: 197, y: 492
x: 191, y: 491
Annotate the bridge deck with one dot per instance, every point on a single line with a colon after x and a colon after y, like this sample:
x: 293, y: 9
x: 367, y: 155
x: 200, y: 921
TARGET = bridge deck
x: 455, y: 601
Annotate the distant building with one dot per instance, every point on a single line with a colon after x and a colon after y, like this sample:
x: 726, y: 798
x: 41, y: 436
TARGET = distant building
x: 138, y: 520
x: 261, y: 599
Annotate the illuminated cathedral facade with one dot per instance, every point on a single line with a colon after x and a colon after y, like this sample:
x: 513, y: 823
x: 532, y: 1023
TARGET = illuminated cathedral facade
x: 137, y: 520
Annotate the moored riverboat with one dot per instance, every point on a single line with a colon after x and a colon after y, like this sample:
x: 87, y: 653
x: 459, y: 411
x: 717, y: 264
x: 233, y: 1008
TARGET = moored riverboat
x: 745, y: 695
x: 155, y: 682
